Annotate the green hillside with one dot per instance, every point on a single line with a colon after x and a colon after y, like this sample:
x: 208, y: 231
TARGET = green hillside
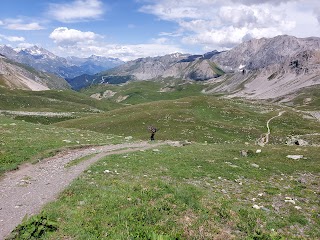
x: 22, y: 142
x: 201, y: 190
x: 146, y: 91
x: 198, y: 119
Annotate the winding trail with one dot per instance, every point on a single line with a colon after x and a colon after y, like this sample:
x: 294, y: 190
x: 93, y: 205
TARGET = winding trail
x: 268, y: 127
x: 264, y: 139
x: 28, y: 189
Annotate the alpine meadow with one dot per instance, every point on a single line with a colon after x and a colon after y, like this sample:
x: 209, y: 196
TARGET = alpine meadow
x: 235, y: 153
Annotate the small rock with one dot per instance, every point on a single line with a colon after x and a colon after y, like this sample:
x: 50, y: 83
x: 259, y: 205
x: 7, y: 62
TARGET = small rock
x: 128, y: 138
x: 258, y: 151
x: 260, y: 194
x: 244, y: 153
x: 257, y: 206
x: 224, y: 191
x: 255, y: 165
x: 106, y: 171
x: 290, y: 201
x: 155, y: 150
x: 67, y: 141
x: 295, y: 157
x: 297, y: 207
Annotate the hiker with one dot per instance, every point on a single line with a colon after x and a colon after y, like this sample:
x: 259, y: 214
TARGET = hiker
x: 153, y: 131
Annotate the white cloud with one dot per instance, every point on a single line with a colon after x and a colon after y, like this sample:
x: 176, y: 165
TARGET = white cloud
x: 257, y: 2
x: 125, y: 52
x: 78, y: 10
x: 220, y: 24
x: 72, y: 42
x: 12, y: 38
x: 64, y: 36
x: 20, y: 24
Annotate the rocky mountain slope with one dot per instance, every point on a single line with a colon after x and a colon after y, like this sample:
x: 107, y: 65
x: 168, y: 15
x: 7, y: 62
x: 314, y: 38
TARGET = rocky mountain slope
x: 18, y: 76
x: 259, y: 68
x: 177, y: 65
x: 269, y: 68
x: 45, y: 61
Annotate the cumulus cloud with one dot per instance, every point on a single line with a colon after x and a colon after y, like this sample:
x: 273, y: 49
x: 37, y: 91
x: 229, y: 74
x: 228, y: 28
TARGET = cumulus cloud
x: 125, y: 52
x: 12, y: 38
x: 64, y: 36
x: 78, y: 10
x: 72, y: 42
x: 20, y: 24
x: 258, y: 2
x: 219, y: 24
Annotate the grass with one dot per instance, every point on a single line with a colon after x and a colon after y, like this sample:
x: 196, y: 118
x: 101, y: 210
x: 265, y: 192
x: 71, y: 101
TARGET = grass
x: 307, y: 99
x: 26, y: 142
x: 147, y: 91
x: 200, y: 119
x: 53, y: 101
x: 194, y: 192
x: 200, y: 191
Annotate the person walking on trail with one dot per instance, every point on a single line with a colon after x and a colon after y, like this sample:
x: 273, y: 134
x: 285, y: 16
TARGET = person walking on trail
x: 153, y: 131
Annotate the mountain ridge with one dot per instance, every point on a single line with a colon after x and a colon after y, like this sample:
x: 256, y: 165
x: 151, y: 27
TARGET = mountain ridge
x: 45, y: 61
x: 15, y: 75
x: 258, y: 68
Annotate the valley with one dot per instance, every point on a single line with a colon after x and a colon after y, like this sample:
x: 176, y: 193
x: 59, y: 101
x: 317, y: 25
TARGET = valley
x: 207, y: 175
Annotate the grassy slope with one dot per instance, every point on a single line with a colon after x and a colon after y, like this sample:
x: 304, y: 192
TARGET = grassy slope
x: 194, y: 192
x: 308, y: 99
x: 147, y: 91
x: 53, y: 100
x: 197, y: 119
x: 24, y: 142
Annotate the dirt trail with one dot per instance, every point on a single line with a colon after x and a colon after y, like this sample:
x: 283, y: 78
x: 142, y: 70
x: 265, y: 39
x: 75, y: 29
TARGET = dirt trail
x: 268, y: 127
x: 264, y: 139
x: 28, y: 189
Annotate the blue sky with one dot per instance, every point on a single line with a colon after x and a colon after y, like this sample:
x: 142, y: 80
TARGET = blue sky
x: 129, y: 29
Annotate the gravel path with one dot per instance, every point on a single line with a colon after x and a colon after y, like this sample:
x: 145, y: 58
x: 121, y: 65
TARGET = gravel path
x: 28, y: 189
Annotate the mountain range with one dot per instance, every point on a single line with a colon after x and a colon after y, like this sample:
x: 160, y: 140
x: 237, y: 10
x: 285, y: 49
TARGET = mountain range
x: 266, y: 68
x: 70, y: 67
x: 259, y: 68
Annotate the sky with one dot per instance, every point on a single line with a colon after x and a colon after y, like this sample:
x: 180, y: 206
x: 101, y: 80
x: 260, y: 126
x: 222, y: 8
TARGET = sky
x: 130, y: 29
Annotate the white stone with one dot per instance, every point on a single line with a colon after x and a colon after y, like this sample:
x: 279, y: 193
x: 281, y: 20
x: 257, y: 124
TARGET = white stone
x: 290, y: 201
x: 255, y: 165
x: 295, y: 157
x: 257, y: 206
